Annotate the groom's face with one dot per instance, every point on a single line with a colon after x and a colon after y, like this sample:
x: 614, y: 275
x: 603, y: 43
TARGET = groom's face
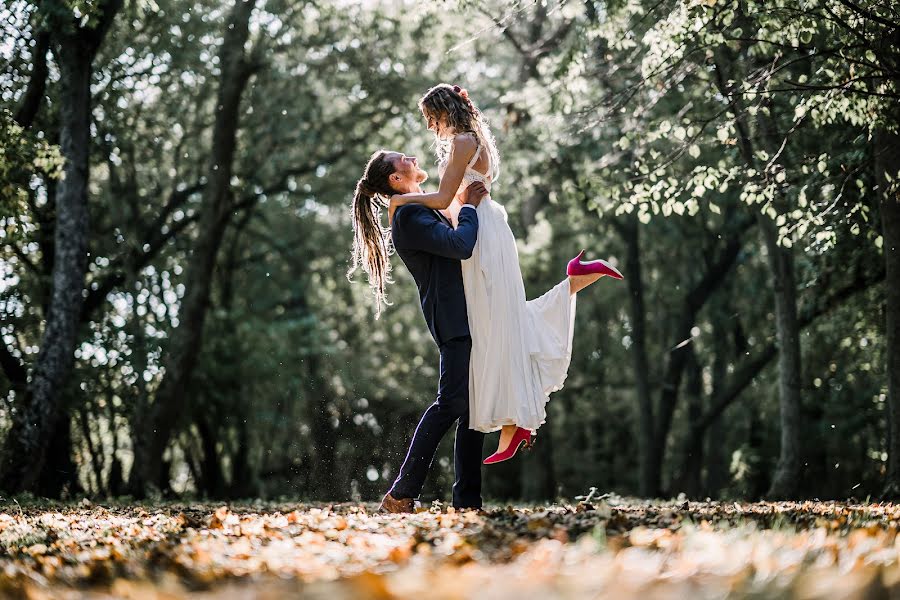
x: 407, y: 175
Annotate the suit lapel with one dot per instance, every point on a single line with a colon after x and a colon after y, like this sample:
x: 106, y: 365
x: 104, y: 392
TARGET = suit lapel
x: 442, y: 217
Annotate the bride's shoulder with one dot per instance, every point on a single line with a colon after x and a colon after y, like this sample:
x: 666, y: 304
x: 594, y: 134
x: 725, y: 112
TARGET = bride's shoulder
x: 465, y: 143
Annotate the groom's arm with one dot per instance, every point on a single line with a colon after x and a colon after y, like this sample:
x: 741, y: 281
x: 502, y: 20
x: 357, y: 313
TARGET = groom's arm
x: 417, y: 228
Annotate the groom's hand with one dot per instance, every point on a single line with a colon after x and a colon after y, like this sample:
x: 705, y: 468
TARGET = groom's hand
x: 473, y: 194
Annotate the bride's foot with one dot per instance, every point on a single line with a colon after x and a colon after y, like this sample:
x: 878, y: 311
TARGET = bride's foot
x: 583, y: 273
x: 579, y: 282
x: 520, y: 437
x: 506, y: 436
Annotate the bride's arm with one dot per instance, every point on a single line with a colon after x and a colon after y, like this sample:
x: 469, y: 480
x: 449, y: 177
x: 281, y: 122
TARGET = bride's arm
x: 464, y: 147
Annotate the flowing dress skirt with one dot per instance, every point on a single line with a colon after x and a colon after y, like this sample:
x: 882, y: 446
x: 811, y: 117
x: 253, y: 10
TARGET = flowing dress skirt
x: 521, y: 349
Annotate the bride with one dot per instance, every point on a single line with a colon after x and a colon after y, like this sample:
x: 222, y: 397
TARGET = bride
x: 521, y: 349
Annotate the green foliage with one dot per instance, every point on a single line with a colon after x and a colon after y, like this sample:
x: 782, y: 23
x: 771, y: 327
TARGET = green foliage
x: 21, y: 153
x: 774, y: 80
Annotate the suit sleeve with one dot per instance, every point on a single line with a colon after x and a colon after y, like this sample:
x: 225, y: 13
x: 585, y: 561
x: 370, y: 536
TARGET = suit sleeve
x: 417, y: 228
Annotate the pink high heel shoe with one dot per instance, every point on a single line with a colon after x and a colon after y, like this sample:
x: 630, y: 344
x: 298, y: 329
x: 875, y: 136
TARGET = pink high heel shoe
x: 580, y: 267
x: 521, y: 436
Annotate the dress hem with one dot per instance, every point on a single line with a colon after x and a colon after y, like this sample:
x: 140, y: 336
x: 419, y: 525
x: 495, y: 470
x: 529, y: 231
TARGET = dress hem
x: 497, y: 426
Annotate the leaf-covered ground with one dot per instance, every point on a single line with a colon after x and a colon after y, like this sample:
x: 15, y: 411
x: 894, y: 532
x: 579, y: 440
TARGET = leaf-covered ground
x: 613, y: 548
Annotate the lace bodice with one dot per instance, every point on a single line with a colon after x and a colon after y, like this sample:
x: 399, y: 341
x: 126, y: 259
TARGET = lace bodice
x: 470, y: 175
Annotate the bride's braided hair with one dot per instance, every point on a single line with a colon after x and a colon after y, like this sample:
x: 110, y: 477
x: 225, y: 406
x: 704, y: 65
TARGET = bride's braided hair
x: 452, y: 104
x: 372, y: 242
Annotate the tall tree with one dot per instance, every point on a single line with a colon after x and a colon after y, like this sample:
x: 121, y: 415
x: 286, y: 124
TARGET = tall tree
x: 153, y: 434
x: 75, y: 42
x: 887, y: 147
x: 786, y: 479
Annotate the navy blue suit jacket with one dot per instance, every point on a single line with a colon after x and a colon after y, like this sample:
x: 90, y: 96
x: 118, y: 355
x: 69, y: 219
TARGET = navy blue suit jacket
x: 431, y: 249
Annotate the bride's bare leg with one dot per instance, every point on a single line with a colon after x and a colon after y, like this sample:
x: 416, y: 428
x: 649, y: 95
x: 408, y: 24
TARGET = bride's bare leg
x: 579, y: 282
x: 506, y: 436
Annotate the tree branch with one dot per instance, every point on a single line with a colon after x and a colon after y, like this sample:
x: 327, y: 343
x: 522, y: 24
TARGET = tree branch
x: 37, y: 84
x: 693, y: 302
x: 747, y: 372
x: 869, y: 14
x: 116, y: 276
x: 281, y: 185
x: 553, y: 40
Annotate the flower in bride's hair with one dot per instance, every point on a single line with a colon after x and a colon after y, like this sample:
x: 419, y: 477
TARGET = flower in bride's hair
x: 464, y: 94
x: 456, y: 88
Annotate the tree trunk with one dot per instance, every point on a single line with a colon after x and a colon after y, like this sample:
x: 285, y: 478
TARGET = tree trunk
x: 211, y: 468
x: 59, y: 476
x: 781, y: 268
x: 887, y: 147
x: 34, y: 94
x: 115, y: 482
x: 244, y: 483
x: 649, y: 470
x: 186, y: 340
x: 692, y: 471
x: 759, y: 467
x: 781, y: 262
x: 94, y: 454
x: 716, y: 456
x: 36, y: 418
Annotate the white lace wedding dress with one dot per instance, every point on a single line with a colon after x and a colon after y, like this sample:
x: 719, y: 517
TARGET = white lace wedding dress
x: 520, y: 349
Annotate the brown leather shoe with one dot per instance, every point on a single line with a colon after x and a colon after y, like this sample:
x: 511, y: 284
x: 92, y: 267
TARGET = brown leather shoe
x: 394, y: 505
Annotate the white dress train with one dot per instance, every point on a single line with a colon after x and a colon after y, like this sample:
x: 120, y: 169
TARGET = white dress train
x: 521, y: 349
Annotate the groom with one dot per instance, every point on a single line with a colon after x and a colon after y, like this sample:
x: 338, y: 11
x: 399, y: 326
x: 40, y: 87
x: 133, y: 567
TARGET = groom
x: 432, y: 250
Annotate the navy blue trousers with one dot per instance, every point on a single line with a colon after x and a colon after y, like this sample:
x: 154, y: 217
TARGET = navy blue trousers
x: 451, y: 406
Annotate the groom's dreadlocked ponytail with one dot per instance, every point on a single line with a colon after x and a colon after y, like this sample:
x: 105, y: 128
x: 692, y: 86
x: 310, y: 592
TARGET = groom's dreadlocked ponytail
x: 371, y: 241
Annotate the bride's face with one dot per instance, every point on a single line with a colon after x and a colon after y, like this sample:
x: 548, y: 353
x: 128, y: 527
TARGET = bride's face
x: 407, y: 175
x: 438, y: 124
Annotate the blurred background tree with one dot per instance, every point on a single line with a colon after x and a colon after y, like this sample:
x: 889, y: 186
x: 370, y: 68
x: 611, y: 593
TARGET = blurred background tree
x: 737, y: 160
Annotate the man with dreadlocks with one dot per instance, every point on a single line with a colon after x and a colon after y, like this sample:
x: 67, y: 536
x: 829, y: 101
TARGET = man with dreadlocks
x: 432, y: 250
x: 517, y: 351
